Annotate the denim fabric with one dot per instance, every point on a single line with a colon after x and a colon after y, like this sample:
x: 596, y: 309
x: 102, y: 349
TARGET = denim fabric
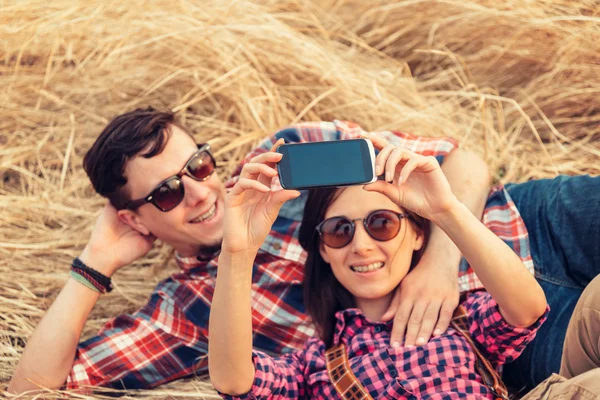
x: 562, y: 216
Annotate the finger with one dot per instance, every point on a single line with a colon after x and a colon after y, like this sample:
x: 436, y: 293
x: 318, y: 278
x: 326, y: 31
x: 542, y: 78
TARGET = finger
x: 414, y: 323
x: 278, y: 199
x: 408, y: 168
x: 429, y: 320
x: 268, y: 158
x: 382, y: 158
x: 251, y: 170
x: 244, y: 184
x: 384, y: 188
x: 278, y: 143
x: 378, y: 141
x: 400, y: 322
x: 393, y: 308
x: 394, y: 160
x: 446, y: 313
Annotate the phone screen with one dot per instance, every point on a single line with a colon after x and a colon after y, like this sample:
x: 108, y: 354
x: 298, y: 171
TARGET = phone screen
x: 333, y: 163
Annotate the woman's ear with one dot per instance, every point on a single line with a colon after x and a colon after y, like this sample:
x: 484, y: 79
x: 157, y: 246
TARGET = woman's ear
x: 323, y: 252
x: 419, y: 238
x: 132, y: 220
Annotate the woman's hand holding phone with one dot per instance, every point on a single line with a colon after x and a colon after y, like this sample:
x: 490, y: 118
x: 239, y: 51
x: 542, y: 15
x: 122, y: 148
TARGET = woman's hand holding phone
x: 412, y: 181
x: 251, y: 207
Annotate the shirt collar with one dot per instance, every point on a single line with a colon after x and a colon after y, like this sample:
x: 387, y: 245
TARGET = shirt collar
x: 352, y: 320
x: 201, y: 259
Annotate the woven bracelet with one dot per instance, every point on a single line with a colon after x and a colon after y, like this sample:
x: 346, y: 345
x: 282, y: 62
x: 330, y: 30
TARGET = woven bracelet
x: 84, y: 281
x: 93, y: 278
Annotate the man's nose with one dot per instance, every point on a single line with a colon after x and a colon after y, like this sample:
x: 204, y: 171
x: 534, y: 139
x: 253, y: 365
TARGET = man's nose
x: 195, y: 191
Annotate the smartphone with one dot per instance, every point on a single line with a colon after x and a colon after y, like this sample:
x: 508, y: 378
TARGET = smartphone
x: 322, y: 164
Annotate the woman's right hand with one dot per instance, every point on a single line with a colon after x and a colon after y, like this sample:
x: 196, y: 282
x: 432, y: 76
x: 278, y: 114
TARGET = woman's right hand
x: 251, y: 207
x: 412, y: 181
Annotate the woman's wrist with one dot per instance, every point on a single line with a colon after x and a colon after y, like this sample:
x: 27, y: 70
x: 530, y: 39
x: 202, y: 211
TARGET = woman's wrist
x: 454, y: 213
x: 236, y: 257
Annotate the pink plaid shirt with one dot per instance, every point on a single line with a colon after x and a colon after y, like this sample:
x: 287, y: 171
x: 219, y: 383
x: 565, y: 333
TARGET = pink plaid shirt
x: 167, y: 338
x: 443, y: 368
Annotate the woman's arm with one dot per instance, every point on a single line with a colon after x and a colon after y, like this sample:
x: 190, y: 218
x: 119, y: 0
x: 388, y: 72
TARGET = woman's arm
x: 230, y: 326
x: 418, y: 184
x: 250, y: 210
x: 520, y: 298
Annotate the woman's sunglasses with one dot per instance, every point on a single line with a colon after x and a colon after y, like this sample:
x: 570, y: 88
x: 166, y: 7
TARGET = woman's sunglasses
x: 169, y: 193
x: 381, y: 225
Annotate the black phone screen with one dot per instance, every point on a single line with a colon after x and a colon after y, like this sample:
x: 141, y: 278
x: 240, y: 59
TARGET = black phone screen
x: 333, y: 163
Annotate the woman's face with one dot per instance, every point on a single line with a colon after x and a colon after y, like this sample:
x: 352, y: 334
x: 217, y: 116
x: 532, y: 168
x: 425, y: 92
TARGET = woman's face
x: 388, y: 262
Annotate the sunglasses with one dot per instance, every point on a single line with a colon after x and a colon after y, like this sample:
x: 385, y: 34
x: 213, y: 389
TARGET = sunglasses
x: 169, y: 193
x: 381, y: 225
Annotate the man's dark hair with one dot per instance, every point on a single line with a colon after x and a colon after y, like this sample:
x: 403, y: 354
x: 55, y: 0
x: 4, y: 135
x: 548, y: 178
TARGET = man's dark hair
x: 324, y: 295
x: 125, y: 137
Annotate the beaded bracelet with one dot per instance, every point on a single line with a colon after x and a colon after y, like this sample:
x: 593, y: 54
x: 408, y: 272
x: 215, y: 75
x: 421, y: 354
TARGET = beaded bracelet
x: 90, y: 277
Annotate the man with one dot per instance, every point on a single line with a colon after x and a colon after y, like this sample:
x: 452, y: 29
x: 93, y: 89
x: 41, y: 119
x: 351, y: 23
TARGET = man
x: 137, y: 164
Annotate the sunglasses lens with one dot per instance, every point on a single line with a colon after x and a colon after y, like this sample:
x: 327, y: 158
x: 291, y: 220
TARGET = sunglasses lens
x: 201, y: 166
x: 336, y: 232
x: 169, y: 194
x: 383, y: 225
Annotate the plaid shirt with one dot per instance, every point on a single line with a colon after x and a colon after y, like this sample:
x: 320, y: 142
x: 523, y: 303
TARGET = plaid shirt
x: 167, y: 338
x: 443, y: 368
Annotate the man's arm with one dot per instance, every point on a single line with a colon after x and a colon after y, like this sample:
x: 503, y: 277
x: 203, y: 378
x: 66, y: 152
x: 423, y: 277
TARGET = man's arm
x: 49, y: 354
x: 428, y: 295
x: 50, y: 351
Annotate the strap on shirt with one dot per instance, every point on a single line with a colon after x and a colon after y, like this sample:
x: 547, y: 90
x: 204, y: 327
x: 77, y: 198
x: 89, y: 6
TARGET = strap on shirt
x: 349, y: 387
x: 491, y: 378
x: 342, y: 377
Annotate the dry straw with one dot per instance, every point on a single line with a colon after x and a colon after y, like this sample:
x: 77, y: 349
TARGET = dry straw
x: 515, y: 81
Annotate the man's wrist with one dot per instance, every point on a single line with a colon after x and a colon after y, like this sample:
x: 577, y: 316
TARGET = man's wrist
x: 441, y: 251
x: 98, y: 263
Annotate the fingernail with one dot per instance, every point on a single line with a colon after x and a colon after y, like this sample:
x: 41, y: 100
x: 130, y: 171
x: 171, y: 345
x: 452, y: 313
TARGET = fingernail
x: 388, y: 176
x: 400, y: 180
x: 396, y: 344
x: 420, y: 341
x: 437, y: 332
x: 378, y: 170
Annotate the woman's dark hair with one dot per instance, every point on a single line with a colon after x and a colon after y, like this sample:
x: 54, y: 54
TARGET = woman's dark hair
x: 125, y: 137
x: 324, y: 295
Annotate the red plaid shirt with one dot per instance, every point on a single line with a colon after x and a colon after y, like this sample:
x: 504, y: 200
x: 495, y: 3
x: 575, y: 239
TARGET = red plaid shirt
x: 166, y: 339
x: 443, y: 368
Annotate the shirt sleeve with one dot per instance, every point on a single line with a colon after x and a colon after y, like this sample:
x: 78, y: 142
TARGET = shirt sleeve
x: 155, y: 345
x: 499, y: 341
x: 276, y: 377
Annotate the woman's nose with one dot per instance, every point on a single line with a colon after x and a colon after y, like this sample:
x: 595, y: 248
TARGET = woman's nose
x: 362, y: 241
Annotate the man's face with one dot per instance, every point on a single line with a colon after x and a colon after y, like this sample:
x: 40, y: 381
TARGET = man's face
x: 194, y: 223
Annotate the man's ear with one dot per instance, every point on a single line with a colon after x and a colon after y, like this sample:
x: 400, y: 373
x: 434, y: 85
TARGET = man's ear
x: 132, y: 220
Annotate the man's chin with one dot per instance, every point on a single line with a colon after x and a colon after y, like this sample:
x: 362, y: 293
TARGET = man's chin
x: 207, y: 252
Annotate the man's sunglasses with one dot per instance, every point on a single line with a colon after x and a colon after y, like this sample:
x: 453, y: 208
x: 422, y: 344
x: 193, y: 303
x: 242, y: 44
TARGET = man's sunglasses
x: 381, y: 225
x: 169, y: 193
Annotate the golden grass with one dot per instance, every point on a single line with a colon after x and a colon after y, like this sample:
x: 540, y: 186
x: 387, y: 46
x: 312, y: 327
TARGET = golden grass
x: 516, y: 81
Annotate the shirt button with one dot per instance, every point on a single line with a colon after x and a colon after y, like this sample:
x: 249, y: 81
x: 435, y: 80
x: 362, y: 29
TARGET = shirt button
x: 276, y: 246
x: 377, y: 329
x: 393, y: 373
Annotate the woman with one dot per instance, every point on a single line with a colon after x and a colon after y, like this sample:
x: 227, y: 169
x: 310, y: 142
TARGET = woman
x: 351, y: 272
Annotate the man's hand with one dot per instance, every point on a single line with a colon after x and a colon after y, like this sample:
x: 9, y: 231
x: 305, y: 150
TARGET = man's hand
x: 423, y: 304
x: 113, y: 244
